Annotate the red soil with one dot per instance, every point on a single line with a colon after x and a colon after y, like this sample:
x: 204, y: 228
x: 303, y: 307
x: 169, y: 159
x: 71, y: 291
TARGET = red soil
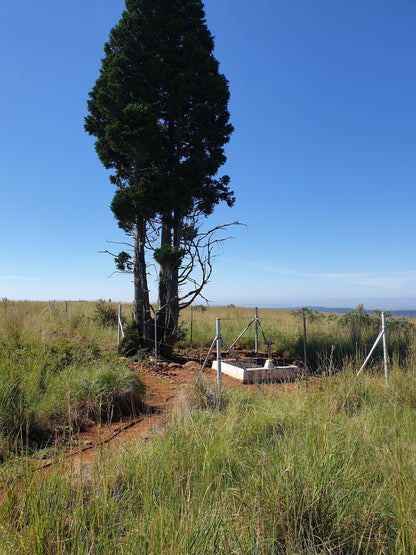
x: 166, y: 386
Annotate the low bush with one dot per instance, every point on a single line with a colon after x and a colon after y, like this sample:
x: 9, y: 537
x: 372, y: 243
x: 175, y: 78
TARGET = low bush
x: 106, y: 315
x: 132, y: 344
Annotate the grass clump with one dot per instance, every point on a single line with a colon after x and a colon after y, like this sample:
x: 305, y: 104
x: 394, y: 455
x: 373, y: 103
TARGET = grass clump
x: 208, y: 396
x: 112, y: 393
x: 48, y: 390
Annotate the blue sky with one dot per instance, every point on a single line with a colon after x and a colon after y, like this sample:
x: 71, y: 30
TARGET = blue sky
x: 322, y: 159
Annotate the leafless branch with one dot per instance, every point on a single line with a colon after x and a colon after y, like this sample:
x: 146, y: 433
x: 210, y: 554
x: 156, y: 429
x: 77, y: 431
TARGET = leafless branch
x: 199, y: 258
x: 118, y: 243
x: 200, y: 252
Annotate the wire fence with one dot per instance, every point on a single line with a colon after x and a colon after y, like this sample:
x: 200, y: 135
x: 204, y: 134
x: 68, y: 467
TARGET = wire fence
x: 316, y: 341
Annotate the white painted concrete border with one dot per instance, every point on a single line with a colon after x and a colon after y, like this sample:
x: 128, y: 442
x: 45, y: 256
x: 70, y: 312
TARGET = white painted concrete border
x: 258, y: 373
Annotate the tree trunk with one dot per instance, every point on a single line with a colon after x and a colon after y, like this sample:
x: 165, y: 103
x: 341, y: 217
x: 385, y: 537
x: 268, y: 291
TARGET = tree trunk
x: 141, y: 290
x: 168, y: 301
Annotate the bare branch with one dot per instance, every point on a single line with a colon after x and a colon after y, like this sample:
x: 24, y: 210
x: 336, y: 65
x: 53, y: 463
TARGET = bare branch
x: 199, y: 257
x: 118, y: 243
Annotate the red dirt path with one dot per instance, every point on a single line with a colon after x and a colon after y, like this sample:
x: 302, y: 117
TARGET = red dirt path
x: 166, y: 386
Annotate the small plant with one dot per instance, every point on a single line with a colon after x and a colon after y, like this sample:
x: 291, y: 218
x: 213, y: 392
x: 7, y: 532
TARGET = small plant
x: 181, y: 332
x: 132, y: 345
x: 105, y: 315
x: 207, y: 396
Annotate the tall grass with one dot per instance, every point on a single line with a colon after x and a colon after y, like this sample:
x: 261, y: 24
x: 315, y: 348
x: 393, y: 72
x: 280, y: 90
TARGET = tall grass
x: 51, y: 389
x: 324, y: 466
x: 81, y: 321
x: 327, y: 468
x: 331, y: 338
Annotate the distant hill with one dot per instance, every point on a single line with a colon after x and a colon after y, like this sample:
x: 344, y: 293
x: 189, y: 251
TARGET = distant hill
x: 408, y: 313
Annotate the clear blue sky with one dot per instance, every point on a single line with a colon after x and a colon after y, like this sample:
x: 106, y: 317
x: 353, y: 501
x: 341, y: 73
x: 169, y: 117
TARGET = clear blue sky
x: 322, y: 161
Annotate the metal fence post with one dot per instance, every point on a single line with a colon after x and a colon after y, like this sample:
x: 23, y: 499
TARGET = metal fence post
x: 382, y: 334
x: 156, y: 315
x: 305, y: 360
x: 192, y: 324
x: 256, y: 332
x: 383, y: 328
x: 218, y: 325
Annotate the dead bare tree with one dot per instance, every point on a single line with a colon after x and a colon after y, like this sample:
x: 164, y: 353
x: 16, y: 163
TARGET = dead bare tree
x: 199, y: 249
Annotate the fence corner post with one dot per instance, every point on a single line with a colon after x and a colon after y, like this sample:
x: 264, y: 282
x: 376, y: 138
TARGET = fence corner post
x: 383, y: 328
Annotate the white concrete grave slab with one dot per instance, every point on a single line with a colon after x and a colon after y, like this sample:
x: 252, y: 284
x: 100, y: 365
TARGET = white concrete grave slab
x: 257, y: 373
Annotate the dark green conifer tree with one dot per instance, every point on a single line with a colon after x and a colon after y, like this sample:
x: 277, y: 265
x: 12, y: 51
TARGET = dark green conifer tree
x: 159, y: 112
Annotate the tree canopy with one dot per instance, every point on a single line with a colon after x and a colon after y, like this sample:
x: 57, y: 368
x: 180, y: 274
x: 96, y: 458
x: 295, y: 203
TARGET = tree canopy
x: 159, y: 112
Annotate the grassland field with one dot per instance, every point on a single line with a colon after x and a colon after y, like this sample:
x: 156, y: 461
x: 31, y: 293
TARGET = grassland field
x: 327, y: 466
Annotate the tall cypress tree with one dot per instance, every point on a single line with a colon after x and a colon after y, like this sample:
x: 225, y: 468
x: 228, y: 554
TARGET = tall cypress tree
x: 159, y: 113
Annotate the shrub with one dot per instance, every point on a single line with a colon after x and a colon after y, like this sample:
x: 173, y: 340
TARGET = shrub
x: 362, y: 329
x: 132, y: 344
x: 309, y: 313
x: 106, y: 315
x: 358, y: 322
